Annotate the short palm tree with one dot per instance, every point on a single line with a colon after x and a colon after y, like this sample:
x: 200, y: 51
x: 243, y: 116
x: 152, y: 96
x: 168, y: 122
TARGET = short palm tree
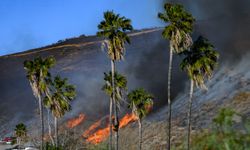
x: 178, y: 30
x: 113, y: 28
x: 20, y: 132
x: 140, y: 102
x: 199, y: 63
x: 121, y: 87
x: 61, y: 94
x: 37, y: 74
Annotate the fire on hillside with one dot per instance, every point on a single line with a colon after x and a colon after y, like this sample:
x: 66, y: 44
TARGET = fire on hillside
x: 101, y: 134
x: 96, y: 133
x: 76, y: 121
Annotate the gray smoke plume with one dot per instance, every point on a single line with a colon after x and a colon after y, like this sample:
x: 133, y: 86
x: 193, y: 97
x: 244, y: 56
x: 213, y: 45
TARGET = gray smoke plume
x: 225, y: 23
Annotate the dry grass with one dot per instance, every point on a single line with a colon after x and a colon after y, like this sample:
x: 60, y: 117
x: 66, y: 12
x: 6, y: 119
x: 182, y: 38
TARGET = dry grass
x: 240, y: 103
x: 155, y: 133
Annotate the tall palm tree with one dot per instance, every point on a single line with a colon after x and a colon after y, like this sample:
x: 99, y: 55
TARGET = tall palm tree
x: 21, y: 132
x: 178, y: 30
x: 140, y: 102
x: 61, y: 94
x: 37, y: 74
x: 199, y: 63
x: 113, y: 28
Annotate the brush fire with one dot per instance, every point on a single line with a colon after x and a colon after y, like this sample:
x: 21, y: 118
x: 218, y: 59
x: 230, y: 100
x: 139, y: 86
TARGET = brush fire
x: 76, y: 121
x: 95, y: 134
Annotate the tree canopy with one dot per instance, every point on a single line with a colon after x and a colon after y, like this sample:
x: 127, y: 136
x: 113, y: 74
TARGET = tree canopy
x: 200, y: 61
x: 113, y: 28
x: 140, y: 102
x: 179, y: 26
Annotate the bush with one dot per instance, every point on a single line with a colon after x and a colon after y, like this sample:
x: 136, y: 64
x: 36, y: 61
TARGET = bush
x: 100, y: 146
x: 226, y: 133
x: 49, y: 146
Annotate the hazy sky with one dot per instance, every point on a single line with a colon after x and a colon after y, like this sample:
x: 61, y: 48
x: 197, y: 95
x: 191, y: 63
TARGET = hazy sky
x: 26, y: 24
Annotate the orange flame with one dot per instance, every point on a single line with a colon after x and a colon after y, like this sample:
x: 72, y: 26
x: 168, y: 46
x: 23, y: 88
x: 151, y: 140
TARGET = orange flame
x: 76, y: 121
x: 101, y: 134
x: 92, y: 128
x: 127, y: 119
x: 149, y: 108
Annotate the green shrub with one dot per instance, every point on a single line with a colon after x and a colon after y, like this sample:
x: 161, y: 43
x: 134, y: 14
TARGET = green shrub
x: 100, y: 146
x: 226, y: 133
x: 49, y: 146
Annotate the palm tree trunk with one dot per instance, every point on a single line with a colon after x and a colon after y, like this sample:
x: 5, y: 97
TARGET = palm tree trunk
x: 117, y: 127
x: 110, y: 123
x: 189, y: 112
x: 169, y: 98
x: 49, y: 127
x: 41, y: 119
x: 116, y: 124
x: 140, y: 134
x: 19, y: 142
x: 56, y: 132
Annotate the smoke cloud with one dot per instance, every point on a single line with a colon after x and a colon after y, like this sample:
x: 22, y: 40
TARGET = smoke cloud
x: 225, y: 23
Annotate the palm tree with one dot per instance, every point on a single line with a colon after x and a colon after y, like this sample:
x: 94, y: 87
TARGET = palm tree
x: 37, y: 74
x: 113, y: 28
x: 178, y: 29
x: 121, y: 87
x: 140, y: 102
x: 21, y: 132
x: 58, y: 101
x: 199, y: 63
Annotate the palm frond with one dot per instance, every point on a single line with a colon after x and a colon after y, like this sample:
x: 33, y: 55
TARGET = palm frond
x: 113, y: 28
x: 200, y: 61
x: 60, y: 96
x: 120, y: 85
x: 179, y: 26
x: 139, y: 100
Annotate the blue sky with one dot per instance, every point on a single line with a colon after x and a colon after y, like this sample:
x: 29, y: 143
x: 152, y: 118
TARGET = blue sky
x: 26, y: 24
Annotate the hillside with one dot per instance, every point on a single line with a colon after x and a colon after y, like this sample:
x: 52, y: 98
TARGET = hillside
x: 229, y: 88
x: 83, y: 62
